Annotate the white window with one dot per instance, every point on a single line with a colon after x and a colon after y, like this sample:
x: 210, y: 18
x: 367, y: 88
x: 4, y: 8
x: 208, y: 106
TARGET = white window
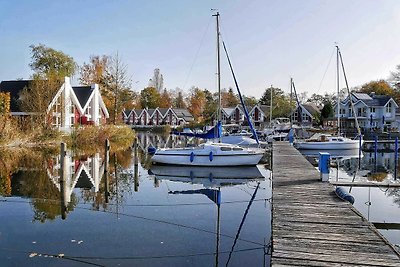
x: 389, y: 108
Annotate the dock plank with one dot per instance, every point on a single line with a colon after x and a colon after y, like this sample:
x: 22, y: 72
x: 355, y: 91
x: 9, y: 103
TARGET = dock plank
x: 312, y: 227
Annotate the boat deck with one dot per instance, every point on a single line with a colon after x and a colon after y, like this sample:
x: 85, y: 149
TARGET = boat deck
x: 313, y: 227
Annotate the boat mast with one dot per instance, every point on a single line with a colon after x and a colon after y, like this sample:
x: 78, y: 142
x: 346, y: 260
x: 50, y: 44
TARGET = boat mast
x: 291, y: 98
x: 338, y: 91
x: 349, y: 94
x: 270, y: 108
x: 218, y: 75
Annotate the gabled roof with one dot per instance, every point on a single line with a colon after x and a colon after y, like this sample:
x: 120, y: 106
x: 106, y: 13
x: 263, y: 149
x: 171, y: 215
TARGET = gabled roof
x: 311, y: 108
x: 369, y: 100
x: 83, y: 94
x: 163, y: 111
x: 127, y: 112
x: 229, y: 110
x: 183, y: 113
x: 14, y: 88
x: 264, y: 108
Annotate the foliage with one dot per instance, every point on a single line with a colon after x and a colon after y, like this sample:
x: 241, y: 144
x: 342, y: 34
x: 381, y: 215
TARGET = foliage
x: 178, y: 101
x: 5, y: 103
x: 112, y: 76
x: 47, y: 62
x: 196, y: 101
x: 157, y: 81
x: 165, y: 99
x: 380, y: 87
x: 149, y: 98
x: 211, y: 106
x: 250, y: 101
x: 327, y: 110
x: 228, y: 98
x: 320, y: 100
x: 92, y: 138
x: 280, y: 102
x: 395, y: 78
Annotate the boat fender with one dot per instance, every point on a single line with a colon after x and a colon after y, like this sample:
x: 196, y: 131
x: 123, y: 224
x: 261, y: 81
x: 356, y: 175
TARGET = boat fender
x: 210, y: 177
x: 191, y: 157
x: 342, y: 194
x: 211, y: 156
x: 151, y: 150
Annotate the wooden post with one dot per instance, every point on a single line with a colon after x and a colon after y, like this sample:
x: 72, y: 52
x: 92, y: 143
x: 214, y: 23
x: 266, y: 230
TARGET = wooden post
x: 106, y: 166
x: 63, y: 177
x: 136, y: 165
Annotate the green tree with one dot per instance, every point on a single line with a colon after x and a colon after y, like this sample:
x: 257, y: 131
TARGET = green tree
x: 250, y: 101
x: 211, y: 105
x: 280, y: 102
x: 149, y: 97
x: 47, y: 62
x: 327, y: 110
x: 179, y: 100
x: 228, y: 98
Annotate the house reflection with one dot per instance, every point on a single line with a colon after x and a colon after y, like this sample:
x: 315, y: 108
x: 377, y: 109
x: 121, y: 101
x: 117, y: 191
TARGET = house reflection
x: 83, y: 172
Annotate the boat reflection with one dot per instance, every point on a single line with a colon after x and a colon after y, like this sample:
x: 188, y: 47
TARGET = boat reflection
x: 335, y: 154
x: 208, y: 177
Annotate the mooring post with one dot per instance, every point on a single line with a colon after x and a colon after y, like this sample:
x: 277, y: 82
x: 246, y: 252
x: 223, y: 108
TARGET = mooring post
x: 359, y: 151
x: 375, y: 147
x: 106, y: 166
x: 323, y: 166
x: 136, y: 164
x: 63, y: 176
x: 396, y: 156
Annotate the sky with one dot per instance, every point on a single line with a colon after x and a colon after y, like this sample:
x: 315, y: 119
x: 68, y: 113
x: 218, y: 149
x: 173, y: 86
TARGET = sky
x: 268, y: 41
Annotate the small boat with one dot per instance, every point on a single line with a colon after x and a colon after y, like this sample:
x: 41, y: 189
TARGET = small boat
x: 327, y: 142
x: 209, y: 154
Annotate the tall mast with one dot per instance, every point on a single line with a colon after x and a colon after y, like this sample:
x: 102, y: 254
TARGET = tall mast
x: 291, y: 97
x: 270, y: 108
x: 218, y: 74
x: 338, y: 91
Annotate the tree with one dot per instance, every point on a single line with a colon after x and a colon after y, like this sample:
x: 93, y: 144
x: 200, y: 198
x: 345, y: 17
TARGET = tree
x: 165, y: 99
x: 197, y: 101
x: 327, y: 110
x: 111, y: 74
x: 250, y: 101
x: 178, y: 100
x: 211, y: 105
x: 280, y: 102
x: 395, y: 78
x: 47, y: 62
x: 228, y: 98
x: 380, y: 87
x: 157, y: 81
x: 149, y: 98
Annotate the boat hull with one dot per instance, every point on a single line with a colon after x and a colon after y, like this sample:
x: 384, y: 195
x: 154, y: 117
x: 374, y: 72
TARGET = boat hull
x: 350, y: 144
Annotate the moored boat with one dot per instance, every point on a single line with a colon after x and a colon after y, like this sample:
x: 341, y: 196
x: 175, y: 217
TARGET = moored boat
x: 327, y: 142
x: 209, y: 154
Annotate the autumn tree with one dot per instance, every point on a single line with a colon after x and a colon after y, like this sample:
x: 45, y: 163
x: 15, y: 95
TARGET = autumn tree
x: 196, y: 101
x: 111, y: 74
x: 165, y: 99
x: 250, y: 101
x: 228, y: 98
x: 149, y: 98
x: 380, y: 87
x: 157, y: 81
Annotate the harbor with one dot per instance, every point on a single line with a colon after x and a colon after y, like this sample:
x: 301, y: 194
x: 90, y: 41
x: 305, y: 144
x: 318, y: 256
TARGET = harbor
x: 311, y: 226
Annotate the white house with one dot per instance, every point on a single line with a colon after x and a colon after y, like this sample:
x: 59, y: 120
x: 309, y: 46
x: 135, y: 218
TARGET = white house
x: 373, y: 112
x: 304, y: 114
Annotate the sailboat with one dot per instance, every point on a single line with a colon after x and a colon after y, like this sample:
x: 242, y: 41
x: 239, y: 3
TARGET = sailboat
x: 326, y: 141
x: 212, y: 153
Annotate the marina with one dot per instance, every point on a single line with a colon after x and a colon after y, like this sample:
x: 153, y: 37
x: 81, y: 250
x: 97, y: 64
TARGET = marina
x: 312, y: 227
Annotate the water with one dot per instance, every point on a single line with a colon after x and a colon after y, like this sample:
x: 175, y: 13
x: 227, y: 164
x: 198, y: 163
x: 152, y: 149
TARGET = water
x: 379, y: 204
x: 165, y: 217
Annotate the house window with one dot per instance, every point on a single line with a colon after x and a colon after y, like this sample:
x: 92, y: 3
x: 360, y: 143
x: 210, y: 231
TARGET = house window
x: 372, y: 110
x: 350, y: 112
x: 389, y: 108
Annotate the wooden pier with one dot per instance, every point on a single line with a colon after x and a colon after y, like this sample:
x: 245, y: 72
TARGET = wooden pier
x: 313, y: 227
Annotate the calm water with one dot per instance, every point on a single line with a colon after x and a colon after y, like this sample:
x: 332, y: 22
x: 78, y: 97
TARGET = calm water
x: 378, y: 204
x: 168, y: 216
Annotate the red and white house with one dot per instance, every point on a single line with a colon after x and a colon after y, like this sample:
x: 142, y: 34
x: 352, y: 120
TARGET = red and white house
x: 71, y: 106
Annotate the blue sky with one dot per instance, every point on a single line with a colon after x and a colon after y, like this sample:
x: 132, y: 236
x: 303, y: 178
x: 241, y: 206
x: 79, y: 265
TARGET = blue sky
x: 268, y: 41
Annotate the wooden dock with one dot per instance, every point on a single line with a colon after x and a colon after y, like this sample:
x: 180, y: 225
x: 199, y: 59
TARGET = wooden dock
x: 312, y: 227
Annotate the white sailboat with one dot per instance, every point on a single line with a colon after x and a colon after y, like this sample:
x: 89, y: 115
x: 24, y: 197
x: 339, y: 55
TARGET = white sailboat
x: 210, y: 154
x: 327, y: 141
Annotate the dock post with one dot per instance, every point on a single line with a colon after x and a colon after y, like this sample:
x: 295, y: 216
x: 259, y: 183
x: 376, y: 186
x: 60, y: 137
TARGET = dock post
x: 375, y: 147
x: 396, y: 156
x: 106, y: 164
x: 136, y: 165
x: 359, y: 151
x: 63, y: 176
x: 323, y: 166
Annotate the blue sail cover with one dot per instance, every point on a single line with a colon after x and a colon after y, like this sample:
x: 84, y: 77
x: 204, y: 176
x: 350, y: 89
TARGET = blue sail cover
x: 215, y: 132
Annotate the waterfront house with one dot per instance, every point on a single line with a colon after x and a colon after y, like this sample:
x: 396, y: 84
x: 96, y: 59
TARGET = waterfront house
x: 156, y: 117
x: 374, y: 113
x: 70, y: 106
x: 305, y: 114
x: 236, y: 115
